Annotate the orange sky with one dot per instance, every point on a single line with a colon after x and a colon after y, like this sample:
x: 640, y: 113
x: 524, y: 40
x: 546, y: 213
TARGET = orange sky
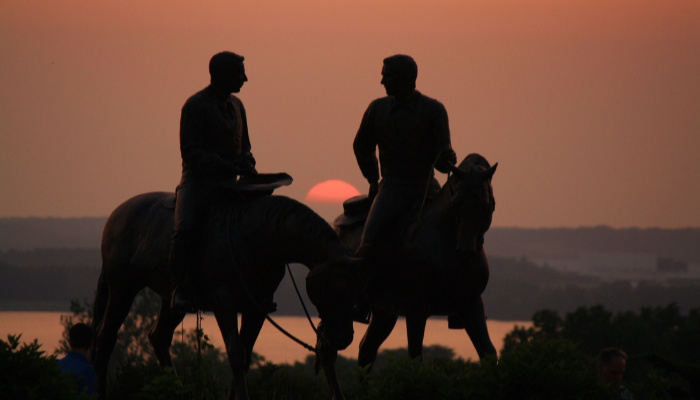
x: 591, y: 107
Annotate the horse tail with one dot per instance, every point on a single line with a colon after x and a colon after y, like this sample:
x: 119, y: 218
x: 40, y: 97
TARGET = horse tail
x: 98, y: 307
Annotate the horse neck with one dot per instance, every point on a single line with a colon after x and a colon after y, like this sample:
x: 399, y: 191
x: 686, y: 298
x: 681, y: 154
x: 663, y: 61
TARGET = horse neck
x: 292, y: 229
x: 437, y: 210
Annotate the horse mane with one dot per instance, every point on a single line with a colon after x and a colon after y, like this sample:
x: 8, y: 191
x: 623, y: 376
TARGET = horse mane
x: 468, y: 163
x: 474, y: 159
x: 282, y: 221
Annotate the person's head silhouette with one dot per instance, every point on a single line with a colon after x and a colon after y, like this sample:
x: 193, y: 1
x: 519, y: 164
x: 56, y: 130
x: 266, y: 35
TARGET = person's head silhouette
x: 80, y: 337
x: 611, y: 365
x: 227, y: 72
x: 399, y: 75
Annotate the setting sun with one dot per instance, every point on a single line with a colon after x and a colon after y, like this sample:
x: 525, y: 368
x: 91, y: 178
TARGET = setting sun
x: 331, y: 191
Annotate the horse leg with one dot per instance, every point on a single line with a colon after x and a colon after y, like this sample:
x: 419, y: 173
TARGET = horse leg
x: 415, y: 331
x: 380, y: 326
x: 474, y: 319
x: 327, y: 357
x: 118, y: 306
x: 161, y: 335
x: 227, y: 319
x: 251, y: 324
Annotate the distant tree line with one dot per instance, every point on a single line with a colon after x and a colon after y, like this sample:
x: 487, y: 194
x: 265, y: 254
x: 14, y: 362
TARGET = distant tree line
x: 52, y: 257
x: 45, y: 288
x: 47, y: 279
x: 535, y: 243
x: 681, y: 244
x: 518, y: 287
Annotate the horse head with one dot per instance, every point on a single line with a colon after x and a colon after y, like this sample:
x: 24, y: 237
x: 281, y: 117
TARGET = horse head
x: 472, y: 202
x: 332, y: 287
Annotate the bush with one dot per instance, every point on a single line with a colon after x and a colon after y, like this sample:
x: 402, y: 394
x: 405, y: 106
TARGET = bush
x: 134, y: 371
x: 553, y: 359
x: 661, y: 343
x: 26, y: 373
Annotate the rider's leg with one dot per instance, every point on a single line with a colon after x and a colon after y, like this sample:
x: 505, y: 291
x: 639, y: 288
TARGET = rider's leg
x: 182, y: 248
x: 180, y: 262
x: 376, y: 237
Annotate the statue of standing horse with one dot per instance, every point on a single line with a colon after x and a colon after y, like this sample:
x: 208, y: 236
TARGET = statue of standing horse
x: 245, y: 245
x: 441, y: 269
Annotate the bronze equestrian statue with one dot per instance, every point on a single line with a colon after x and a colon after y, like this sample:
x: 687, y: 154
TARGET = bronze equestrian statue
x: 411, y: 134
x: 246, y: 240
x: 440, y: 269
x: 215, y: 148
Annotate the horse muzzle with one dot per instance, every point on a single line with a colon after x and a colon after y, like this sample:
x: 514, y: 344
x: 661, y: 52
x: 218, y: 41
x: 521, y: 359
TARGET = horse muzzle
x: 336, y: 335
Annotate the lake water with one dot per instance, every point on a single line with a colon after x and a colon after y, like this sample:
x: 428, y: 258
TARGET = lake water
x: 272, y: 344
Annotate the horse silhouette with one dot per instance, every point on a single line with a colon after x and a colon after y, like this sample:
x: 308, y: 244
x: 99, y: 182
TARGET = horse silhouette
x: 245, y: 245
x: 439, y: 269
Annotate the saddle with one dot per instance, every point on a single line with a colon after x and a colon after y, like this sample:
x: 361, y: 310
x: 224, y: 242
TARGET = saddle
x: 261, y: 184
x: 248, y: 186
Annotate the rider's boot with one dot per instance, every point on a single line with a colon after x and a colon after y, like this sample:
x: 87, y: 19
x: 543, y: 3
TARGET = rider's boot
x: 182, y: 291
x: 362, y: 310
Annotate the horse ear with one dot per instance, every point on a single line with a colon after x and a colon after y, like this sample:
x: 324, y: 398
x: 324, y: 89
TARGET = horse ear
x: 491, y: 171
x: 455, y: 170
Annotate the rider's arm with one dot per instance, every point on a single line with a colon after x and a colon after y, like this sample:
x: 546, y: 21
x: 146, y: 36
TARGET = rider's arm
x: 443, y: 145
x: 365, y: 147
x: 247, y: 161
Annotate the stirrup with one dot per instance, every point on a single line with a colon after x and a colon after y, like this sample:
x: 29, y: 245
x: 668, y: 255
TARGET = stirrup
x: 183, y: 302
x: 361, y: 314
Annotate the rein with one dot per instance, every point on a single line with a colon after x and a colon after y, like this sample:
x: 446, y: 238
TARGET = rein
x: 261, y: 310
x: 301, y: 300
x: 419, y: 216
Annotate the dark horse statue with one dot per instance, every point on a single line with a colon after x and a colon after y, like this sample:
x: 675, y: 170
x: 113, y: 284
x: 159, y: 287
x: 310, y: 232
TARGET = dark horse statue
x: 440, y: 269
x: 244, y: 248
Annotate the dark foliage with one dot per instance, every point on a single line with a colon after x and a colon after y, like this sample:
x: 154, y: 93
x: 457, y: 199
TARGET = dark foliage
x: 662, y: 344
x: 26, y: 373
x: 553, y: 359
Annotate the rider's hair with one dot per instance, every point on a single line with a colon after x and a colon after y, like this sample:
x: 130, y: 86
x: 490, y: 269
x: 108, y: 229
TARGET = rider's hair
x: 405, y: 66
x: 223, y: 62
x: 606, y: 355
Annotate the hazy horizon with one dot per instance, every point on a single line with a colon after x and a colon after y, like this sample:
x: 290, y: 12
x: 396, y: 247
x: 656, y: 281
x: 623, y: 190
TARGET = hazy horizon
x: 590, y: 107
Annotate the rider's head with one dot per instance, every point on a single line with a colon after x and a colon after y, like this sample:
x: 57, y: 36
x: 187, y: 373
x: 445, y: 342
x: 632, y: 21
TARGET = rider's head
x: 227, y: 71
x: 399, y: 75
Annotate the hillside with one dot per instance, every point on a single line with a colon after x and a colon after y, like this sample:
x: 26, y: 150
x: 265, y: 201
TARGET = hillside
x: 46, y: 263
x: 682, y: 244
x: 35, y: 233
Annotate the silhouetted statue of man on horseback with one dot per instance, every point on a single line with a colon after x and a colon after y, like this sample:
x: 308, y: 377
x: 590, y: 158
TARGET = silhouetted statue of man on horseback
x: 215, y: 148
x: 411, y: 132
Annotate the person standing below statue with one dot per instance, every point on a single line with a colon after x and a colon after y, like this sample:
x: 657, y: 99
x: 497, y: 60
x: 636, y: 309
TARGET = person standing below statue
x: 215, y: 148
x: 610, y: 365
x: 411, y: 133
x: 76, y: 361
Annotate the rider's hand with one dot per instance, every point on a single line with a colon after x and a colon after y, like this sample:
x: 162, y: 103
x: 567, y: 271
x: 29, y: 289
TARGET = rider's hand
x: 451, y: 157
x: 447, y: 159
x: 373, y: 189
x: 244, y: 166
